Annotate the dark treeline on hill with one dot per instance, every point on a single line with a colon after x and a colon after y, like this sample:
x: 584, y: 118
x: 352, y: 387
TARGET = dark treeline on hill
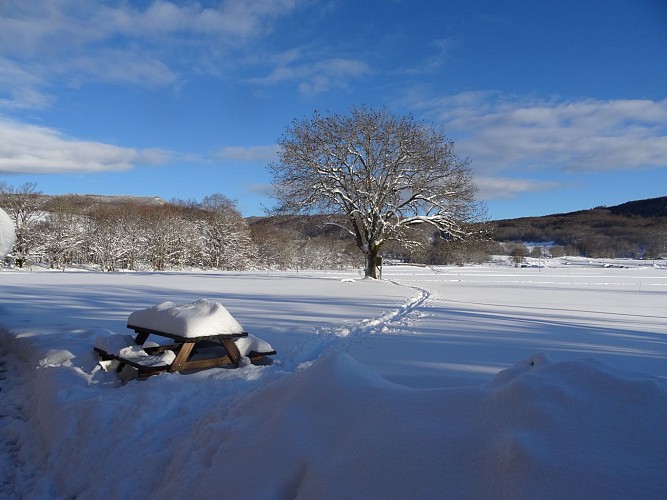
x: 140, y: 233
x: 636, y: 229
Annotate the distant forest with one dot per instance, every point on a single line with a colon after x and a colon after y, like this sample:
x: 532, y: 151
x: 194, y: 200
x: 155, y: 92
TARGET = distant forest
x: 636, y: 229
x: 134, y: 233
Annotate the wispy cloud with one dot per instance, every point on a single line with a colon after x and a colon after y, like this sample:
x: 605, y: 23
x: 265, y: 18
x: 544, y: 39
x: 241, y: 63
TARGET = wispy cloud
x: 249, y: 154
x: 438, y: 52
x: 20, y: 88
x: 586, y: 135
x: 501, y: 134
x: 29, y: 149
x: 79, y: 41
x: 313, y: 75
x: 499, y: 188
x: 27, y: 26
x: 261, y: 189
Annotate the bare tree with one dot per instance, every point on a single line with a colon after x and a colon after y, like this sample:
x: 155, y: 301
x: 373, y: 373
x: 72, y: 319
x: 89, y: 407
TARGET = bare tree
x: 228, y: 241
x: 275, y: 245
x: 167, y: 232
x: 386, y: 174
x: 518, y: 254
x: 61, y: 232
x: 23, y: 206
x: 107, y: 237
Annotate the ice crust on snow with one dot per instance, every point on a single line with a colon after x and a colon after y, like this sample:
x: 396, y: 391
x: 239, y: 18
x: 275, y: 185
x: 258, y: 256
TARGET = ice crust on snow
x: 195, y: 319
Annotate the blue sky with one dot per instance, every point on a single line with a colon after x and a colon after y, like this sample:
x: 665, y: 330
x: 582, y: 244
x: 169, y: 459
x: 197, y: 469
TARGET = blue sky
x: 559, y: 106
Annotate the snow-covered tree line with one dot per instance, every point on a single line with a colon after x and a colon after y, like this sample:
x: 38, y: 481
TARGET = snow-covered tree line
x: 64, y: 231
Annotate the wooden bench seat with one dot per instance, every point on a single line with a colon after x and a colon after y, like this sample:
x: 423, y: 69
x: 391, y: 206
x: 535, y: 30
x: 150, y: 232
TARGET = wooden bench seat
x: 145, y: 370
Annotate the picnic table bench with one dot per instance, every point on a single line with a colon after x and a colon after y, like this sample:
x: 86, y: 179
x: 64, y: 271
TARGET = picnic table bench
x: 194, y: 345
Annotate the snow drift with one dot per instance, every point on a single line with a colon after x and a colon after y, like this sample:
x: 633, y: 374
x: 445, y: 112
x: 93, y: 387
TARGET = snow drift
x: 335, y: 429
x: 539, y: 430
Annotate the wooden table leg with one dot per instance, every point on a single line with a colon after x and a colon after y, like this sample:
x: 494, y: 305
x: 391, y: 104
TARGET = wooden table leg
x: 141, y: 338
x: 232, y: 351
x: 182, y: 356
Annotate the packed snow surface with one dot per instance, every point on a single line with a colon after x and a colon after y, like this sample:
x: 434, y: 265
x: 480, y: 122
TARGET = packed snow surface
x: 7, y: 234
x: 476, y: 382
x: 195, y: 319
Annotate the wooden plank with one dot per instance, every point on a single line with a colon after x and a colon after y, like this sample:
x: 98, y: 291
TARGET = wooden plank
x: 162, y: 348
x: 104, y: 356
x: 182, y: 356
x: 203, y: 364
x: 255, y: 354
x: 141, y: 367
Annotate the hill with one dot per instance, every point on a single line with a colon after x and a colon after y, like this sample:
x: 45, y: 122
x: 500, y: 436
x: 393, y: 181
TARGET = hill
x: 632, y: 229
x: 86, y: 201
x: 653, y: 207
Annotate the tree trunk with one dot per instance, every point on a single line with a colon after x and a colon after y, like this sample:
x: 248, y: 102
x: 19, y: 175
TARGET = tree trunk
x: 370, y: 256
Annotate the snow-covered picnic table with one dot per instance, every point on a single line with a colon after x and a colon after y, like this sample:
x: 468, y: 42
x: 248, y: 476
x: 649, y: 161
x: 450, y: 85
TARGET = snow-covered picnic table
x: 204, y: 335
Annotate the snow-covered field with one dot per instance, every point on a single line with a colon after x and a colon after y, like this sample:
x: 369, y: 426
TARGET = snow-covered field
x: 475, y: 382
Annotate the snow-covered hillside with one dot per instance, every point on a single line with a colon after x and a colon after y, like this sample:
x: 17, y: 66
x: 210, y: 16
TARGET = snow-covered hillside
x: 475, y: 382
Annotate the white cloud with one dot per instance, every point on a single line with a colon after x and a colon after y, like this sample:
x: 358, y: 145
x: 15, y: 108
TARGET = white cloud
x: 261, y: 189
x: 498, y: 188
x: 118, y: 42
x: 252, y: 154
x: 514, y: 144
x: 502, y: 134
x: 114, y: 66
x: 28, y: 26
x: 29, y: 149
x: 19, y: 87
x: 313, y: 77
x: 439, y: 51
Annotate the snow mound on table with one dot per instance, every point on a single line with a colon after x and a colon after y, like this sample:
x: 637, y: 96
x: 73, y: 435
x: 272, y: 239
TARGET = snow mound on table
x: 251, y: 343
x: 138, y: 355
x: 7, y: 234
x: 124, y: 346
x: 196, y: 319
x: 337, y: 430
